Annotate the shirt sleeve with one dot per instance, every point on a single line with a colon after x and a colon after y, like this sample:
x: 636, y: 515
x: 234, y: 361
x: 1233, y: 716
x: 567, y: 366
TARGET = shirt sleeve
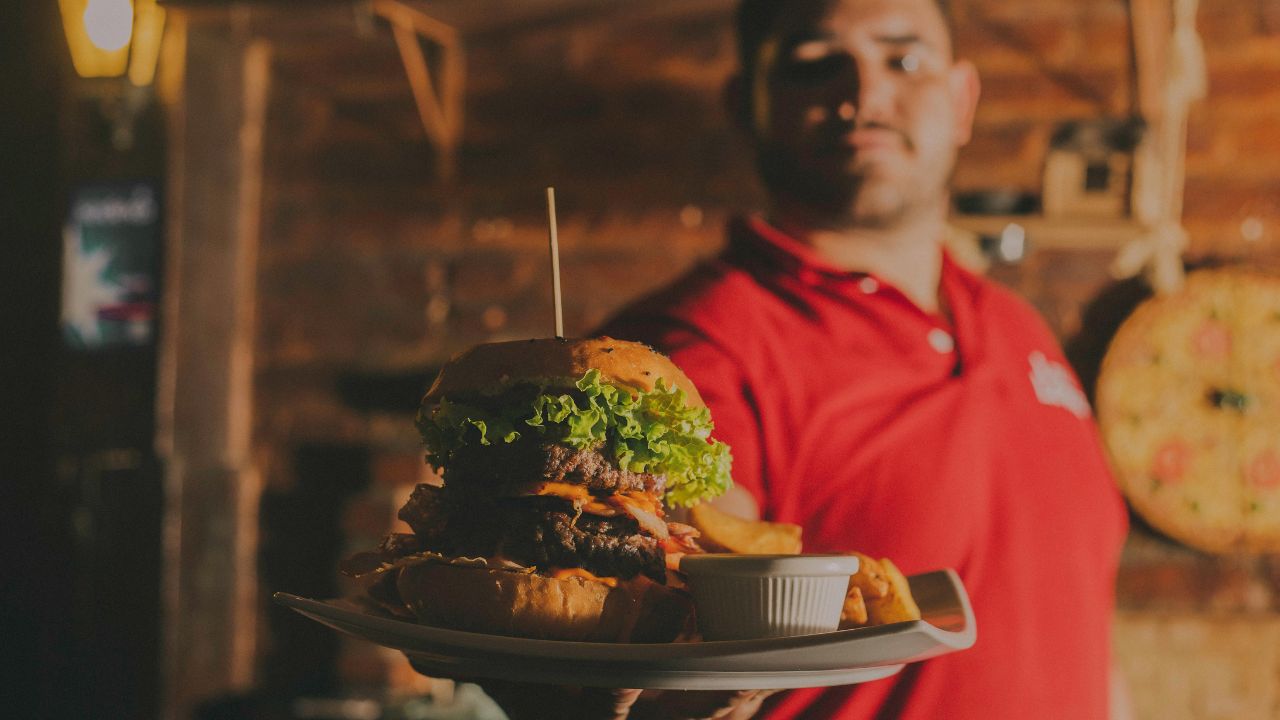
x: 724, y: 386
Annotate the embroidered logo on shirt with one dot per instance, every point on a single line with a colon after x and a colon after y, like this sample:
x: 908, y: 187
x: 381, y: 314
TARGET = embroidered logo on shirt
x: 1055, y: 386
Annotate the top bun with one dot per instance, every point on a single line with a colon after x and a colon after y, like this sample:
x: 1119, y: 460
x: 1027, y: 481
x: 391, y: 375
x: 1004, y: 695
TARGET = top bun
x: 492, y: 367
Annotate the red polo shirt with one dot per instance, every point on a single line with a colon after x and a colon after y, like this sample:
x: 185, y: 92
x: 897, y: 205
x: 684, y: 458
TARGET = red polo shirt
x: 880, y: 427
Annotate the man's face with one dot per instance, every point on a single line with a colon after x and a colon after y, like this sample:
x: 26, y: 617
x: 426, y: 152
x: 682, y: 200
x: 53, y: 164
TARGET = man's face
x: 858, y: 109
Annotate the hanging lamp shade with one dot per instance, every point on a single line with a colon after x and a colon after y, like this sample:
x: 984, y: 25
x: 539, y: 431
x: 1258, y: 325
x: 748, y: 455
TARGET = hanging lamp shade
x: 110, y: 38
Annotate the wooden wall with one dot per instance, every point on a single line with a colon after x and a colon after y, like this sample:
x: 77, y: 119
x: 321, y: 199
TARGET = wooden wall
x: 370, y: 271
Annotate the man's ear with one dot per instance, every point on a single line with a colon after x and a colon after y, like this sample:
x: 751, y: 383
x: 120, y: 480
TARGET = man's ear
x: 737, y: 104
x: 966, y: 87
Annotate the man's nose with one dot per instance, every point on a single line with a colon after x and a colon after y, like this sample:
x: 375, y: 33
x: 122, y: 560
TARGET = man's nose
x: 864, y: 94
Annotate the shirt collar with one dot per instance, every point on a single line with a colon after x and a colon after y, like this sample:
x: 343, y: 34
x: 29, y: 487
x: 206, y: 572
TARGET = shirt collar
x: 773, y: 256
x: 755, y: 243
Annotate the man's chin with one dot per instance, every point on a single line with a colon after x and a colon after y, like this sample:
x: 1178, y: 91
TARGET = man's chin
x: 852, y: 206
x: 843, y: 198
x: 877, y: 207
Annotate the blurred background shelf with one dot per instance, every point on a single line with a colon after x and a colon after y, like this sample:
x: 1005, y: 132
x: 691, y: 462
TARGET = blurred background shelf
x: 1044, y: 233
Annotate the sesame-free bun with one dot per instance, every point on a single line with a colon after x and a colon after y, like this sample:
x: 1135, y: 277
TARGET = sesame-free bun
x: 502, y: 602
x: 492, y: 367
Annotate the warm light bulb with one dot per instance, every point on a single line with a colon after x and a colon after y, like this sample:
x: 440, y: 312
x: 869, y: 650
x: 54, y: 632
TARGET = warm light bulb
x: 109, y: 23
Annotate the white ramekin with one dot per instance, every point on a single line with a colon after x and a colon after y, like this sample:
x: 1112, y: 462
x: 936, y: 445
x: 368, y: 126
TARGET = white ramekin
x: 740, y: 597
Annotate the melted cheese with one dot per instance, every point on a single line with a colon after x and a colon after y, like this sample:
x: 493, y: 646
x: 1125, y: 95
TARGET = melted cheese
x: 564, y: 573
x: 596, y: 507
x: 644, y: 508
x: 573, y: 493
x: 641, y: 501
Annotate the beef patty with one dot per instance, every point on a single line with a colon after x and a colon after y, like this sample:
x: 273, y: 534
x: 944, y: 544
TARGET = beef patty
x: 605, y: 546
x: 505, y: 468
x: 539, y: 531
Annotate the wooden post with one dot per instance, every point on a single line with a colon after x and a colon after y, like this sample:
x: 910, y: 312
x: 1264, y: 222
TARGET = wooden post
x: 216, y: 111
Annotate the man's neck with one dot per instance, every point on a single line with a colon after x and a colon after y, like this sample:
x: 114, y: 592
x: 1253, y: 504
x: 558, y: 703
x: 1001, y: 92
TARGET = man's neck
x: 907, y: 254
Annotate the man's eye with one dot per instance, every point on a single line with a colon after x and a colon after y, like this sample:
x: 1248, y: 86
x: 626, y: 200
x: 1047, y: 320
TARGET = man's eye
x: 815, y: 70
x: 906, y: 63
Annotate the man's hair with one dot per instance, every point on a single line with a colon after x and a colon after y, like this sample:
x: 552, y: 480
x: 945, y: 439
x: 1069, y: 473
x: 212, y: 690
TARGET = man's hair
x: 756, y: 18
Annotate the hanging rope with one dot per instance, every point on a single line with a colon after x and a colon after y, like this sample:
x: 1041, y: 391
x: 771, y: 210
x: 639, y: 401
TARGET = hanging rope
x: 1157, y: 203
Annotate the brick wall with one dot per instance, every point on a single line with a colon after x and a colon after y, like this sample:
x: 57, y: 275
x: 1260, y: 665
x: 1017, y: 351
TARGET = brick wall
x: 372, y: 271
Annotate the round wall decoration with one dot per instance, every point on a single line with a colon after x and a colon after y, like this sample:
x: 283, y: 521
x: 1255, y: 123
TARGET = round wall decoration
x: 1188, y: 401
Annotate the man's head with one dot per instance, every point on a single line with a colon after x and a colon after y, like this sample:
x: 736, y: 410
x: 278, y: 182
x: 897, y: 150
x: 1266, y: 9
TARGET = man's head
x: 856, y: 107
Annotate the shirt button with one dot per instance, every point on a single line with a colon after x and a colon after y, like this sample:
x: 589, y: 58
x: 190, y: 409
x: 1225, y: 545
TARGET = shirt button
x: 941, y: 340
x: 868, y: 285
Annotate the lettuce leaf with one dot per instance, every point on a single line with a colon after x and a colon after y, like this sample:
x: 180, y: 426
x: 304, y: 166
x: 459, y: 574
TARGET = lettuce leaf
x: 652, y: 432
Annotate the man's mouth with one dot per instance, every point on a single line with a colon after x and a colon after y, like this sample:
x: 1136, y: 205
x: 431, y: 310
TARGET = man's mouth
x: 873, y: 140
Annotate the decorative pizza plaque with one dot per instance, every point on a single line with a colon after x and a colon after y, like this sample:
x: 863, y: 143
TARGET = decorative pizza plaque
x: 1189, y: 405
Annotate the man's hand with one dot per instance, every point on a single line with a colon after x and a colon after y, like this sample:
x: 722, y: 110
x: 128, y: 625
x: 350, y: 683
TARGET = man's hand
x: 534, y: 702
x: 700, y: 705
x: 528, y: 701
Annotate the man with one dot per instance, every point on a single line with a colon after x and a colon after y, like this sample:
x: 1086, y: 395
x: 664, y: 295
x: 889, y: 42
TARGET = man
x: 878, y: 394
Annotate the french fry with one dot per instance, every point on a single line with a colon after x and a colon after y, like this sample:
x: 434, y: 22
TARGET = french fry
x: 878, y: 594
x: 854, y: 612
x: 896, y: 605
x: 722, y: 532
x: 870, y: 578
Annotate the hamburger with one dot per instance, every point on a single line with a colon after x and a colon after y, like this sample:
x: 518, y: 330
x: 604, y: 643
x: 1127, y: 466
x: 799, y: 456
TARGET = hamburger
x: 557, y: 459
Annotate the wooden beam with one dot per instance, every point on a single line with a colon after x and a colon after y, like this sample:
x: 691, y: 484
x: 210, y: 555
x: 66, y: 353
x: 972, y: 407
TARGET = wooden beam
x: 400, y: 14
x: 217, y: 111
x: 1055, y: 234
x: 440, y: 111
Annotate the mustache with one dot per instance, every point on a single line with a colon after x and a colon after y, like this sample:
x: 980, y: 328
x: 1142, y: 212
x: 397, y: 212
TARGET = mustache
x: 840, y: 129
x: 846, y: 119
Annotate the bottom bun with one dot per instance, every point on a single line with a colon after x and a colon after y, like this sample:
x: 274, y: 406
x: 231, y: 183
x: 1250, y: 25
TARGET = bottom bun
x: 501, y: 602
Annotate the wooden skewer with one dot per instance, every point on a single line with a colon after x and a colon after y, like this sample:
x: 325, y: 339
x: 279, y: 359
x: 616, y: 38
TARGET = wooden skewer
x: 555, y: 261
